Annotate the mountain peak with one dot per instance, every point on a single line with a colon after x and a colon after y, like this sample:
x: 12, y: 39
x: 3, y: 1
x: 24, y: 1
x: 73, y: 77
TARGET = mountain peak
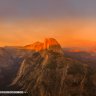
x: 49, y: 44
x: 52, y: 44
x: 37, y: 46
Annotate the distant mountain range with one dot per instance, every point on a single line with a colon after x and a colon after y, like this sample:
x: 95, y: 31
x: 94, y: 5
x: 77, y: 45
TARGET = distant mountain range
x: 46, y: 69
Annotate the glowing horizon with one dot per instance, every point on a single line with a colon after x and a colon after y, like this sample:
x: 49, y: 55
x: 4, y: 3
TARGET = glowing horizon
x: 20, y: 33
x: 71, y: 22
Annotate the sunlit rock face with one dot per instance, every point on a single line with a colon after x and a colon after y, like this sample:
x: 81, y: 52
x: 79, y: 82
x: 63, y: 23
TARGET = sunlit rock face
x: 53, y: 45
x: 37, y: 46
x: 49, y: 44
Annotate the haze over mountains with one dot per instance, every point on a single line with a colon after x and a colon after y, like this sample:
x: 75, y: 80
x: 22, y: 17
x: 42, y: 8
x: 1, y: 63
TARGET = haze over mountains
x: 46, y: 69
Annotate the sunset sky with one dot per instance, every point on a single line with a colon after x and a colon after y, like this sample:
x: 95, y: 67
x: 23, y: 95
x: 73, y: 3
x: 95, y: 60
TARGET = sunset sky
x: 71, y: 22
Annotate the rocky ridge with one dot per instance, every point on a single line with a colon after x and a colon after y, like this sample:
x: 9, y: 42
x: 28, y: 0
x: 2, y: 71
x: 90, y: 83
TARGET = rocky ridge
x: 51, y: 74
x: 49, y: 44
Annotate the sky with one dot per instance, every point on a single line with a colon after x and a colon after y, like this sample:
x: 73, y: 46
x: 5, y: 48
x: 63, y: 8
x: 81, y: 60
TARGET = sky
x: 71, y: 22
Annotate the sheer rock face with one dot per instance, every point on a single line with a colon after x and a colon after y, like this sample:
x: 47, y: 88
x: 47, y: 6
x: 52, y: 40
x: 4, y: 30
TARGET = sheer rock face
x: 49, y: 44
x: 53, y: 45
